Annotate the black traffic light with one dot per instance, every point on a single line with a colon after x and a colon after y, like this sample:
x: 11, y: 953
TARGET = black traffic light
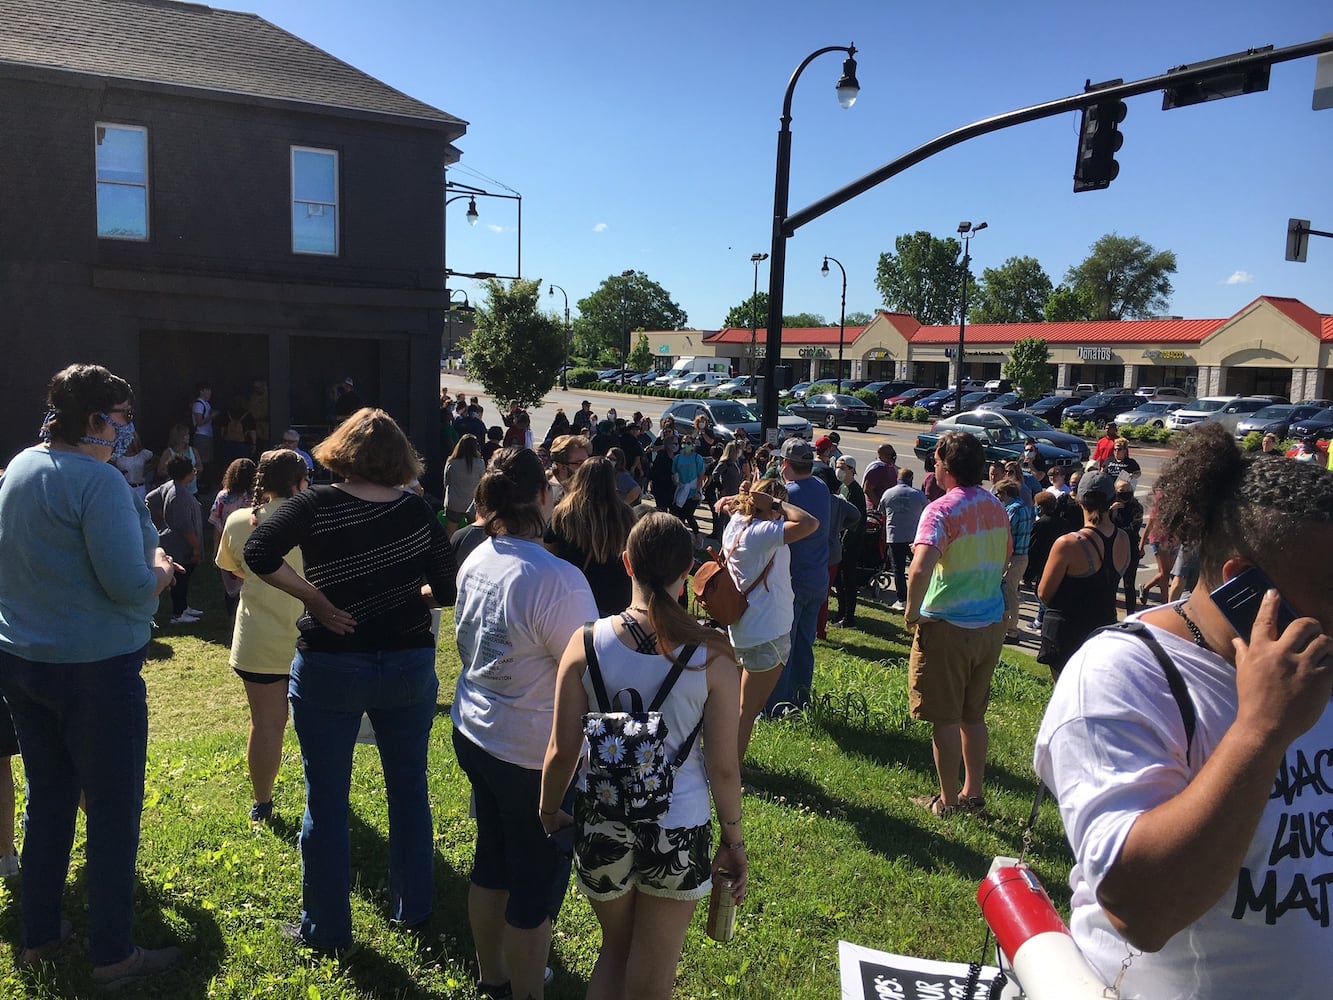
x: 1098, y: 141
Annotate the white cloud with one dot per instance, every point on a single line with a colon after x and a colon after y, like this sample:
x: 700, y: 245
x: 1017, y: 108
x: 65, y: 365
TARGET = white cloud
x: 494, y: 228
x: 599, y: 228
x: 1240, y: 278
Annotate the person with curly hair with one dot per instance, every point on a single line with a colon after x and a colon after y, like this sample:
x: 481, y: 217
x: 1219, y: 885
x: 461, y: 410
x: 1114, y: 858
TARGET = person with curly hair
x: 644, y: 878
x: 1193, y: 802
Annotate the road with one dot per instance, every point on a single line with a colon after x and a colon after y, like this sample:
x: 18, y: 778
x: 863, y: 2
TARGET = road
x: 861, y: 445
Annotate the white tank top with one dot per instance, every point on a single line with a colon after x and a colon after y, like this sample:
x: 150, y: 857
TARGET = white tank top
x: 622, y: 667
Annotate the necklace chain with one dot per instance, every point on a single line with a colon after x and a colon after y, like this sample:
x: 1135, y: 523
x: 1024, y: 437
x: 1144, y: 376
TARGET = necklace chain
x: 1199, y: 640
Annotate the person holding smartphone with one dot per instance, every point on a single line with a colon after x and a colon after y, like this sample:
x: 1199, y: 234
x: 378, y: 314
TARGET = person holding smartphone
x: 1196, y: 812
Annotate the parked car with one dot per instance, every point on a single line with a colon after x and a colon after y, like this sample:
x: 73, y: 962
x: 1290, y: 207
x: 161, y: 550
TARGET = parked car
x: 1152, y: 413
x: 798, y: 391
x: 1323, y: 404
x: 1238, y: 409
x: 999, y: 385
x: 909, y: 397
x: 1004, y: 401
x: 727, y: 416
x: 1275, y: 419
x: 1000, y: 439
x: 697, y: 381
x: 970, y: 401
x: 1103, y: 406
x: 1201, y: 409
x: 1156, y: 392
x: 1052, y: 408
x: 647, y: 378
x: 1320, y: 425
x: 883, y: 389
x: 1088, y: 388
x: 932, y: 403
x: 831, y: 410
x: 741, y: 385
x: 790, y: 425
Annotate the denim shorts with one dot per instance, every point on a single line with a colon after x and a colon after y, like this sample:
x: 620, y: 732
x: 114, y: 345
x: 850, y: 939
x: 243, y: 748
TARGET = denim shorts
x: 765, y: 656
x: 513, y: 853
x: 613, y: 857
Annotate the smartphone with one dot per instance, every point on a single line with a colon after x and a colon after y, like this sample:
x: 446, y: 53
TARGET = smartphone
x: 1239, y: 599
x: 563, y: 840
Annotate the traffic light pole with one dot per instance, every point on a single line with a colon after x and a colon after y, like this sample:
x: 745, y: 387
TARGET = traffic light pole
x: 1171, y: 80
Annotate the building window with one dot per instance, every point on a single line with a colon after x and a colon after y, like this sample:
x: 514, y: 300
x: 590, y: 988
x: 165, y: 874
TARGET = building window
x: 314, y: 200
x: 122, y: 182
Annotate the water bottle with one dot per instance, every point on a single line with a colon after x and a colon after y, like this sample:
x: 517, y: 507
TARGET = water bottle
x: 721, y: 909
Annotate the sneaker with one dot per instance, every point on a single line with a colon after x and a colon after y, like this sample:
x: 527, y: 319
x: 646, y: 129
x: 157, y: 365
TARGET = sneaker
x: 143, y: 962
x: 186, y: 619
x: 9, y: 865
x: 292, y: 932
x: 261, y: 812
x: 194, y: 611
x: 30, y: 957
x: 897, y: 606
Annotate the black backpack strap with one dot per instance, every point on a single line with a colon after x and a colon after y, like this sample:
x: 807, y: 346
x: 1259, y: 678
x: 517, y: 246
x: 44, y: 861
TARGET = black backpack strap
x: 594, y: 671
x: 1179, y: 690
x: 676, y: 667
x: 635, y: 700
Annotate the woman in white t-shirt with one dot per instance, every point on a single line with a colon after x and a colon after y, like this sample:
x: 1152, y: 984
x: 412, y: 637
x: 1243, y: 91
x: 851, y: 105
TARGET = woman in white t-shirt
x: 643, y: 877
x: 517, y: 606
x: 264, y: 636
x: 134, y: 466
x: 755, y: 543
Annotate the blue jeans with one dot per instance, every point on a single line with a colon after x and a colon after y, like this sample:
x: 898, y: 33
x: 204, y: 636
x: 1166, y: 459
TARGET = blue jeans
x: 798, y: 676
x: 81, y: 726
x: 329, y: 692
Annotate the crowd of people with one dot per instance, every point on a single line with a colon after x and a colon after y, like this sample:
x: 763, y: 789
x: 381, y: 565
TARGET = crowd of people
x: 567, y: 561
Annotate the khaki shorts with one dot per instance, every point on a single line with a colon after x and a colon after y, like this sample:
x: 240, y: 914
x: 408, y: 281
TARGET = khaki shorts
x: 949, y: 675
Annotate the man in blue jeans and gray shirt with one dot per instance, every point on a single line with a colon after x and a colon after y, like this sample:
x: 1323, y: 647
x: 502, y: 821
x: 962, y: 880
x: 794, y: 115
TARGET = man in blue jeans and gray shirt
x: 809, y: 575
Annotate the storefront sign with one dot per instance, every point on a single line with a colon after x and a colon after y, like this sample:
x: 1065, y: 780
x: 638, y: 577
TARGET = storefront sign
x: 663, y: 348
x: 814, y: 352
x: 878, y: 354
x: 950, y: 352
x: 1166, y: 355
x: 1095, y: 354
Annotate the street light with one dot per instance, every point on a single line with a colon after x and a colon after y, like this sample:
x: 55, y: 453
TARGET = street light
x: 966, y: 230
x: 847, y: 88
x: 472, y: 194
x: 624, y: 316
x: 564, y: 372
x: 756, y: 259
x: 842, y: 313
x: 465, y: 309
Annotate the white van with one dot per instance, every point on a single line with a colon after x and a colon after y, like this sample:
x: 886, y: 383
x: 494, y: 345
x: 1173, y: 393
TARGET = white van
x: 690, y: 365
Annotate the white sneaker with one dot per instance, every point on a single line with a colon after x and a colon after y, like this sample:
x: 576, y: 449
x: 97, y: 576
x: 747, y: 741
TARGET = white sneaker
x: 194, y: 611
x: 9, y: 865
x: 186, y: 619
x: 897, y: 606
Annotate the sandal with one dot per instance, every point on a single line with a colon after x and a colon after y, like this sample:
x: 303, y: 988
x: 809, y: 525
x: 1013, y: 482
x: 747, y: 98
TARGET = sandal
x: 934, y: 804
x: 972, y: 803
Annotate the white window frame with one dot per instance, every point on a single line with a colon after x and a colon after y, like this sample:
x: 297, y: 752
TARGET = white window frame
x: 310, y: 205
x: 98, y: 182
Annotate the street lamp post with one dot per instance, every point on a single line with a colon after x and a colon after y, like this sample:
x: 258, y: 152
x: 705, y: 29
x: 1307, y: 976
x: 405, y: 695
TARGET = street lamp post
x: 464, y: 310
x: 842, y: 312
x: 847, y: 88
x: 564, y: 371
x: 624, y: 316
x: 966, y: 230
x: 472, y: 194
x: 756, y: 259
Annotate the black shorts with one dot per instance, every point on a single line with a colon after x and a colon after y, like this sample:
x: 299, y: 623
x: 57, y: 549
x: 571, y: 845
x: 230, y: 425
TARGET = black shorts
x: 254, y: 678
x: 9, y: 741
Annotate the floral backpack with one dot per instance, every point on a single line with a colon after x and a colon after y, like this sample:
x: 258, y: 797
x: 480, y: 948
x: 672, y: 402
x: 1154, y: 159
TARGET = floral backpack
x: 629, y: 776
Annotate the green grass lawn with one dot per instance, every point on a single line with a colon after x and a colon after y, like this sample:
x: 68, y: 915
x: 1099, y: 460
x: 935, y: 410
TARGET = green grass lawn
x: 837, y: 850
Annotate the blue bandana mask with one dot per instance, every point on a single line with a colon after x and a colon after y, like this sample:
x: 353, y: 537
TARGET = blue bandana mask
x: 121, y: 444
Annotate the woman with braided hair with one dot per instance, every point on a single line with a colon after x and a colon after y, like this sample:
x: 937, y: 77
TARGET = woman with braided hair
x: 264, y: 636
x: 1188, y: 760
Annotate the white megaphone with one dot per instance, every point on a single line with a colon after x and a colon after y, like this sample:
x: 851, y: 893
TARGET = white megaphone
x: 1046, y: 962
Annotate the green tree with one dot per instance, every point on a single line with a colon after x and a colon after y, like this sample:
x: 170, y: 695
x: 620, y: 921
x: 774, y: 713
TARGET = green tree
x: 740, y: 316
x: 1069, y: 305
x: 1014, y: 292
x: 621, y: 304
x: 803, y: 319
x: 922, y: 278
x: 1029, y: 368
x: 515, y: 351
x: 1126, y: 278
x: 860, y: 318
x: 641, y: 358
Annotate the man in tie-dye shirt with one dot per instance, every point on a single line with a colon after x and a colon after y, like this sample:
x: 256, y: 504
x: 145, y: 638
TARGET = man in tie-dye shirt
x: 955, y: 602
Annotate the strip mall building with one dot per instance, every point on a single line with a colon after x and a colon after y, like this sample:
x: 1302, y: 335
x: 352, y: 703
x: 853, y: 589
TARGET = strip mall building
x: 1273, y: 345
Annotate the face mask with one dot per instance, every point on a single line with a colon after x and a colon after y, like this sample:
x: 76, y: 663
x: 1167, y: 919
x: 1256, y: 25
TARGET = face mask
x: 124, y: 435
x: 687, y: 448
x: 844, y: 475
x: 1030, y: 452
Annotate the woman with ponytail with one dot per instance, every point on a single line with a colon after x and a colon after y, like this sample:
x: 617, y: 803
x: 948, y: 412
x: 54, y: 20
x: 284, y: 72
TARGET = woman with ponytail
x: 264, y: 636
x: 1191, y: 778
x: 518, y: 604
x: 644, y: 878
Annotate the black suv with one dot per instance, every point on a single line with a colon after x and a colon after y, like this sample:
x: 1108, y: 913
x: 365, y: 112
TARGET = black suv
x: 1102, y: 407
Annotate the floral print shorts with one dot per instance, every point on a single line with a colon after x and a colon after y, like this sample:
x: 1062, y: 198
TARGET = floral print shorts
x: 611, y: 857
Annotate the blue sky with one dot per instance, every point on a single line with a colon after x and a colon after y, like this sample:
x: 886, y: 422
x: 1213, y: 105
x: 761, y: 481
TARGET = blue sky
x: 644, y: 136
